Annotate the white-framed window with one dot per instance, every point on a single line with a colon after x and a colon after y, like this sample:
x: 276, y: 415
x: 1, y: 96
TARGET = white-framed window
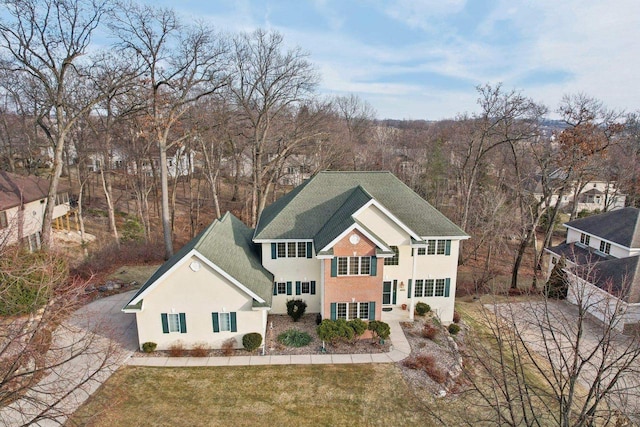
x: 305, y: 287
x: 395, y: 260
x: 174, y: 322
x: 281, y: 288
x: 291, y: 249
x: 62, y: 198
x: 354, y: 266
x: 435, y: 247
x: 605, y: 247
x: 4, y: 222
x: 585, y: 239
x: 352, y: 310
x: 430, y: 288
x: 225, y: 321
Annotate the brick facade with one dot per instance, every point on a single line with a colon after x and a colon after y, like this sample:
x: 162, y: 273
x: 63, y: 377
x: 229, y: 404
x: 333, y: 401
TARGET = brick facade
x: 353, y: 288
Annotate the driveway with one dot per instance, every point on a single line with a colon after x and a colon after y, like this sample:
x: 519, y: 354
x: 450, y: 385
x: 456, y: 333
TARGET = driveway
x: 94, y: 343
x: 551, y: 330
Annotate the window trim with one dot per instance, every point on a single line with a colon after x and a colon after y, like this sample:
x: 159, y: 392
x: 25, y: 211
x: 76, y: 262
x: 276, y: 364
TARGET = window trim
x: 345, y: 266
x: 395, y: 259
x: 173, y: 322
x: 585, y: 239
x: 347, y: 308
x: 605, y: 247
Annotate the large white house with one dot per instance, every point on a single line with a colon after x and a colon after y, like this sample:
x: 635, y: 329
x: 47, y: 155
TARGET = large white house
x: 348, y: 243
x: 602, y: 254
x: 23, y: 200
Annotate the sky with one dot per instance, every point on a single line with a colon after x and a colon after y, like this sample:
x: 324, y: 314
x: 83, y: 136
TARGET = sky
x: 423, y: 59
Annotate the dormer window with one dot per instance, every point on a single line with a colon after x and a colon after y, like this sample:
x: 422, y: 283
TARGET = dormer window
x: 605, y: 247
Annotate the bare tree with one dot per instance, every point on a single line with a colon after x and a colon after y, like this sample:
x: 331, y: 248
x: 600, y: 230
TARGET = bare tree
x: 269, y: 87
x: 43, y: 42
x: 182, y: 64
x: 50, y: 354
x: 546, y: 362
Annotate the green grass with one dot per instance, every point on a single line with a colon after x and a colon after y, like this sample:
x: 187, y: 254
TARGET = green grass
x: 331, y: 395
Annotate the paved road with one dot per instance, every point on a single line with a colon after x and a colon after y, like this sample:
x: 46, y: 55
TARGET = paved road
x: 95, y: 342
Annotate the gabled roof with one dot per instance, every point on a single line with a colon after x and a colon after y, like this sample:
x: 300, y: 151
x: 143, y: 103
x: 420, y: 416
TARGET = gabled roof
x: 324, y: 204
x: 16, y: 189
x: 618, y: 226
x: 227, y: 244
x: 616, y: 276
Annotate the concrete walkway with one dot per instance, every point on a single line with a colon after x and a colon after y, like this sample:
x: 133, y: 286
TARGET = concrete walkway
x: 400, y: 349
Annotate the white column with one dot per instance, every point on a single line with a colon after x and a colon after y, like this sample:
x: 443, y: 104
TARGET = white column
x: 413, y: 284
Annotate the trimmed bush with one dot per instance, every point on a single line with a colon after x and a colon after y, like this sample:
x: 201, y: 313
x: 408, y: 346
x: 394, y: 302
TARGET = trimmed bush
x: 358, y: 326
x: 335, y: 331
x: 251, y: 341
x: 380, y: 329
x: 227, y: 346
x: 294, y: 338
x: 149, y: 347
x: 422, y: 308
x: 454, y: 329
x: 296, y: 308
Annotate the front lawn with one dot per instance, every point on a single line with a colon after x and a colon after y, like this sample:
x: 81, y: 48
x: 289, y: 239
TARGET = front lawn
x: 373, y: 394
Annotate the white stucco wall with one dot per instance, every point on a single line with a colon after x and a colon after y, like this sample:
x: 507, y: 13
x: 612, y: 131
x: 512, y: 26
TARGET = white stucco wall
x: 28, y: 221
x: 197, y: 294
x: 292, y: 270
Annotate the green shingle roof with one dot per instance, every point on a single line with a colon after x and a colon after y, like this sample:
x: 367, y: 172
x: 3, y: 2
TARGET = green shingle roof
x: 228, y: 244
x: 325, y: 203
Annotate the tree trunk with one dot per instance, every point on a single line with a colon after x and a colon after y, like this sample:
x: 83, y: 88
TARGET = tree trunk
x: 164, y: 193
x: 106, y: 185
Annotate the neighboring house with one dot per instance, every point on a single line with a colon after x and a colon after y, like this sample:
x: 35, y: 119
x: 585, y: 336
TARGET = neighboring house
x: 602, y: 254
x: 593, y: 196
x: 348, y: 243
x: 180, y: 162
x: 23, y: 200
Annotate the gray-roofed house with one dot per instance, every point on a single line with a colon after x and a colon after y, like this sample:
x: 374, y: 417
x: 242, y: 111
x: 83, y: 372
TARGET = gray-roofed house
x: 602, y: 253
x: 212, y: 290
x: 348, y: 243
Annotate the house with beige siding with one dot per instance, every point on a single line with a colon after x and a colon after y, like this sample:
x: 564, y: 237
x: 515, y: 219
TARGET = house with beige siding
x: 351, y: 244
x: 23, y: 200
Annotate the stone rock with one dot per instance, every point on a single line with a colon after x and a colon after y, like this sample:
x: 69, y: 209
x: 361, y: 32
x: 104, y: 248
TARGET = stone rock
x: 102, y: 288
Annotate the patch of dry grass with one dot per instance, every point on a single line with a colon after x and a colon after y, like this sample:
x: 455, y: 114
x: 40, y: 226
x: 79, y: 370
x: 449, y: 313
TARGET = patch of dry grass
x: 129, y: 273
x: 372, y: 394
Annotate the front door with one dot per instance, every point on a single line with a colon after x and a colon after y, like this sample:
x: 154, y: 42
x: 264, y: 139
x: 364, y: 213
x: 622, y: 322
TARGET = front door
x: 389, y: 289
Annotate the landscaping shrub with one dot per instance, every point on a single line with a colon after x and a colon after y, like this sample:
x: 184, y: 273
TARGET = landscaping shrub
x: 456, y: 317
x: 228, y: 346
x: 429, y: 332
x: 454, y: 329
x: 358, y: 326
x: 380, y: 329
x: 296, y: 308
x: 335, y: 331
x: 176, y: 349
x: 426, y: 363
x: 200, y: 350
x: 149, y: 347
x: 251, y: 341
x: 294, y: 338
x: 422, y: 308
